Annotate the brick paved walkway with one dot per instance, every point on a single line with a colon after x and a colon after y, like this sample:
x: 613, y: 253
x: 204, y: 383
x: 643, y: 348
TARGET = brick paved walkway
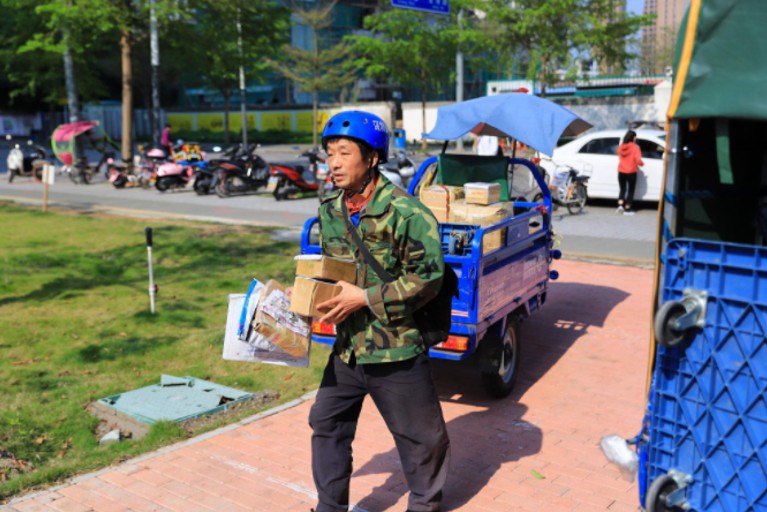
x: 584, y: 362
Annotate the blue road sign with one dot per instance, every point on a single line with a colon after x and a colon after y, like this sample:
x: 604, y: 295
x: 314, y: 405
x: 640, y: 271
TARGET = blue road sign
x: 435, y: 6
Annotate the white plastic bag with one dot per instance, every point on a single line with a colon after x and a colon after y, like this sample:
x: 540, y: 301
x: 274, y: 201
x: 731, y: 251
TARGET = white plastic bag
x: 617, y: 451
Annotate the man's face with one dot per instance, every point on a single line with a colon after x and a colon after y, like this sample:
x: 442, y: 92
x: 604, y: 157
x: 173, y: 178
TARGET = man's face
x: 346, y: 164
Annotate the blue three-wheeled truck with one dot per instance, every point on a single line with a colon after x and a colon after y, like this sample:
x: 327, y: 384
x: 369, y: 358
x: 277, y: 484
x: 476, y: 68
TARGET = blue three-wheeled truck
x: 503, y: 282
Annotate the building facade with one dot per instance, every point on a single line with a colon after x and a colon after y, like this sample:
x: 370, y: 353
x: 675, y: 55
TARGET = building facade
x: 659, y: 40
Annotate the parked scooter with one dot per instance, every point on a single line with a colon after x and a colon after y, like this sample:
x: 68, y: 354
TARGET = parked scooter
x: 245, y: 173
x: 288, y: 180
x: 28, y: 162
x: 179, y: 173
x: 399, y: 171
x: 143, y: 174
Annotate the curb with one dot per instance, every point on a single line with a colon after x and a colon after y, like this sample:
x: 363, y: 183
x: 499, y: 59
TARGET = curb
x: 166, y: 449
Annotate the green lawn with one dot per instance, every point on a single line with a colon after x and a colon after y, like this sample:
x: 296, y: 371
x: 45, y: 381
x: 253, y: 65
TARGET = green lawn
x: 75, y: 326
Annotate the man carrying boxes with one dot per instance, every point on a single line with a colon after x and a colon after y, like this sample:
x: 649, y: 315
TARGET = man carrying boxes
x: 379, y: 349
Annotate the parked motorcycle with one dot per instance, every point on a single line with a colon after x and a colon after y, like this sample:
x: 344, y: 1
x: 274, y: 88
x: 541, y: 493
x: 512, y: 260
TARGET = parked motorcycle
x: 287, y: 180
x: 245, y: 173
x: 27, y: 162
x: 206, y: 176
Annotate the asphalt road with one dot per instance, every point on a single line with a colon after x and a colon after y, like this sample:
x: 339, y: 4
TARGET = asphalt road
x: 597, y: 234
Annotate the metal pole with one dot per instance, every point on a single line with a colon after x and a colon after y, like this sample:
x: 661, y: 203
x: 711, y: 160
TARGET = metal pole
x: 242, y: 84
x: 152, y: 288
x: 155, y: 51
x: 459, y: 77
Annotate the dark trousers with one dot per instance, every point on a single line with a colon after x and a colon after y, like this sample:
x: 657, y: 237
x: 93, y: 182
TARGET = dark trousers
x: 627, y: 183
x: 405, y: 396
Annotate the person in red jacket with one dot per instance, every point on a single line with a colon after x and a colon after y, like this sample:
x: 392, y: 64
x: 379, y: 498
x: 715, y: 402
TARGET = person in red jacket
x: 629, y: 161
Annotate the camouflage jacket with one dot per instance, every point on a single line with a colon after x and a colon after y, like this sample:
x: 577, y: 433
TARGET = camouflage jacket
x: 402, y: 235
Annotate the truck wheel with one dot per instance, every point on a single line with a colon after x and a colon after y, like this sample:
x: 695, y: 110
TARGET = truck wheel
x: 500, y: 382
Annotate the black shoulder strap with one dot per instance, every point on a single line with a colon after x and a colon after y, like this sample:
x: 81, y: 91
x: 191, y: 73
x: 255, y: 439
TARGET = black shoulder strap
x: 383, y: 275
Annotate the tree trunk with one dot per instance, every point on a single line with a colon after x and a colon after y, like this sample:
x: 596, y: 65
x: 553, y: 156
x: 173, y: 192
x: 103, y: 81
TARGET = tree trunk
x: 544, y: 62
x: 127, y: 96
x: 227, y: 95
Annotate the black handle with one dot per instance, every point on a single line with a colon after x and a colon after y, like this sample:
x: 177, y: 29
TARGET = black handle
x: 148, y: 232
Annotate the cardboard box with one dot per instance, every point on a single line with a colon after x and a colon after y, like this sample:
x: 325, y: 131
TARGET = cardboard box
x: 438, y: 199
x: 307, y: 293
x: 287, y: 331
x: 326, y: 268
x: 484, y: 215
x: 482, y: 193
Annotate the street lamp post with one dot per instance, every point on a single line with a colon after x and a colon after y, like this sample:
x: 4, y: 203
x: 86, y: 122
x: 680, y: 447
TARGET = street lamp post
x: 459, y: 76
x: 243, y: 99
x: 155, y: 51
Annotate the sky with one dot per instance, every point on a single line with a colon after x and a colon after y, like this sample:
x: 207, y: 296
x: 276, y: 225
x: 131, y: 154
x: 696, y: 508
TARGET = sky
x: 634, y: 6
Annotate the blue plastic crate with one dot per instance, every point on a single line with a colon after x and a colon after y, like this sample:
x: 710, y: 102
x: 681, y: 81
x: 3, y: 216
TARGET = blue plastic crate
x: 709, y: 394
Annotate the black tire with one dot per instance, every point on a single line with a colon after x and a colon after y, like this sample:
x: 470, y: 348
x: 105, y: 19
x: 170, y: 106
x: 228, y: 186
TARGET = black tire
x: 657, y: 494
x: 665, y: 334
x: 500, y: 383
x: 163, y: 183
x: 278, y: 194
x: 85, y: 176
x: 120, y: 181
x: 224, y: 188
x: 577, y: 199
x: 201, y: 187
x: 538, y: 198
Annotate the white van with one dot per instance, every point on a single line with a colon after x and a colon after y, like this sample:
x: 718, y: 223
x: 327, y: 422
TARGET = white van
x: 596, y: 154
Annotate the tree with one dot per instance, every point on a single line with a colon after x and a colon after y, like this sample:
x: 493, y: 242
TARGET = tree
x: 41, y: 36
x: 407, y: 47
x: 265, y: 28
x: 552, y: 30
x: 318, y: 68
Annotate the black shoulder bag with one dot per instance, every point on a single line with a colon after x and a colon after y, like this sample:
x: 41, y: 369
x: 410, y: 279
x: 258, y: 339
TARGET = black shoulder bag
x: 433, y: 319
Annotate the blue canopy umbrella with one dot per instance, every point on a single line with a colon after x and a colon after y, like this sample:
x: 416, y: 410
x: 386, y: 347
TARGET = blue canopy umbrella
x: 535, y: 121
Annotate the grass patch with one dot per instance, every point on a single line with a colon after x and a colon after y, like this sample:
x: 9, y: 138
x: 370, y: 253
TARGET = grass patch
x: 75, y: 327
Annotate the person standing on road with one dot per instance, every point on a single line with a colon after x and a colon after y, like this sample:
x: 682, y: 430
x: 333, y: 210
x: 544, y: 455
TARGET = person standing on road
x: 165, y: 142
x: 487, y: 145
x: 378, y: 349
x: 629, y: 161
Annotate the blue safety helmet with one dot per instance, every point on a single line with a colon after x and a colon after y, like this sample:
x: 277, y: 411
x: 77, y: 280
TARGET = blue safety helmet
x: 360, y: 126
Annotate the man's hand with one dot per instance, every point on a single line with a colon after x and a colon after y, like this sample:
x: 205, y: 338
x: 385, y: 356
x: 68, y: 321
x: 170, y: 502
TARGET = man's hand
x: 344, y: 304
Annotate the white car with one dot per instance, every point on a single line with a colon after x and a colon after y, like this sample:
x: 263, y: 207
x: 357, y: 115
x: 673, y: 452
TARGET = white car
x: 595, y: 154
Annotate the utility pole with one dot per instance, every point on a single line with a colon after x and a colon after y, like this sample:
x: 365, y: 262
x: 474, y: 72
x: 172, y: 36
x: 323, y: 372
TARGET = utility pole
x: 243, y: 99
x: 69, y: 79
x: 459, y: 77
x: 155, y: 51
